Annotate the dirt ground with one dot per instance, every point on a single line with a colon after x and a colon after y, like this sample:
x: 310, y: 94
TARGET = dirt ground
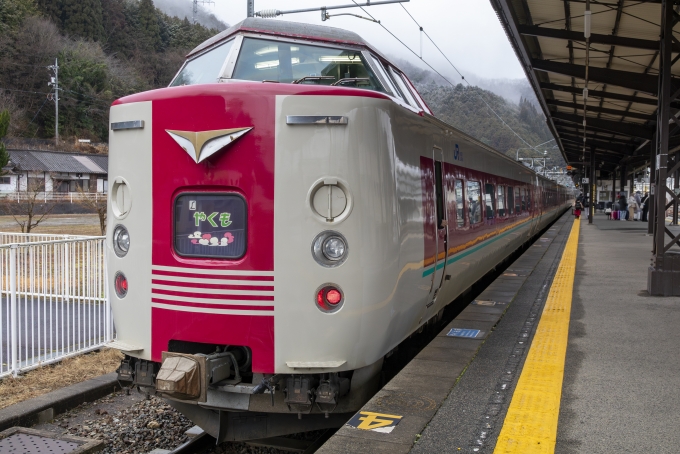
x: 49, y: 378
x: 65, y: 224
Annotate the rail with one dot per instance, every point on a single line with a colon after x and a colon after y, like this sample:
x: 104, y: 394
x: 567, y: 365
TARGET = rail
x: 53, y: 299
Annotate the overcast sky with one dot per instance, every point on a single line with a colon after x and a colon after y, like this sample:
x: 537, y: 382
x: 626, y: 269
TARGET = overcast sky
x: 467, y: 31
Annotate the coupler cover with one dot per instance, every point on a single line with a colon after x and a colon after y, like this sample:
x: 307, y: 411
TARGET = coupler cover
x: 180, y: 376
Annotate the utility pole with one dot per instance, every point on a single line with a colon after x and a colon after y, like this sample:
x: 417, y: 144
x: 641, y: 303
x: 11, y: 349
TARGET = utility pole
x: 54, y: 81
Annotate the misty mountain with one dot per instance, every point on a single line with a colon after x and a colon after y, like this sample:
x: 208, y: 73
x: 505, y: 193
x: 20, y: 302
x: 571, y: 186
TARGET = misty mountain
x: 511, y: 89
x: 184, y: 8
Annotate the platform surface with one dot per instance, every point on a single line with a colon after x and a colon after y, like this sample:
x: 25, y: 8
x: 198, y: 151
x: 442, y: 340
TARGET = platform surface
x: 616, y: 386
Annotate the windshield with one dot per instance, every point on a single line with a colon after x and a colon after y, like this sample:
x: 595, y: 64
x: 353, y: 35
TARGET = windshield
x: 278, y: 61
x: 204, y: 69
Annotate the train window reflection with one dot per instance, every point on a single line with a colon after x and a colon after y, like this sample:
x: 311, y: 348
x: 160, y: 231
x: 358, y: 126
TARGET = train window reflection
x: 518, y: 201
x: 500, y: 201
x: 511, y: 200
x: 489, y: 201
x: 474, y: 194
x: 460, y: 214
x: 280, y: 61
x: 204, y: 69
x: 524, y: 199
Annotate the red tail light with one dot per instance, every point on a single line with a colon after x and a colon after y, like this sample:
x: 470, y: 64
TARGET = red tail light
x: 120, y: 284
x: 329, y: 298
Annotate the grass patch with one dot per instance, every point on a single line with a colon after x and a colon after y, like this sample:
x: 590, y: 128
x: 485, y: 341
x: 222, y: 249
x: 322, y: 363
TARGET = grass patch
x: 49, y: 378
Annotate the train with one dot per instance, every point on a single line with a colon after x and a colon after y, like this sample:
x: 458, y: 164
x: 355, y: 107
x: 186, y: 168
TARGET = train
x: 283, y: 215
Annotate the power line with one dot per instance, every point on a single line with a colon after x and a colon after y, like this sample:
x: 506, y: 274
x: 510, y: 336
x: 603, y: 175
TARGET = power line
x: 454, y: 67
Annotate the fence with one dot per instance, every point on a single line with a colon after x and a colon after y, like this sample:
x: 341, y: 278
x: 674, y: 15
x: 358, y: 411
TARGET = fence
x: 9, y: 237
x: 58, y: 197
x: 53, y: 300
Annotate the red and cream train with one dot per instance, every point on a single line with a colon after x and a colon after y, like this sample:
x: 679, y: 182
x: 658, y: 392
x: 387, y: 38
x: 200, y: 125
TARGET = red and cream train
x: 284, y: 215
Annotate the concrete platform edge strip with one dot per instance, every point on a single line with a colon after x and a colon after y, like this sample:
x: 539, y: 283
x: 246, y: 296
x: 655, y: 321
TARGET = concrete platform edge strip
x: 47, y: 406
x: 530, y: 425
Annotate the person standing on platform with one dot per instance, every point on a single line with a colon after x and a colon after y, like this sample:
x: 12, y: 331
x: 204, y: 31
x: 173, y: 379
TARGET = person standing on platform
x: 632, y: 209
x: 578, y: 206
x: 645, y: 208
x: 623, y: 206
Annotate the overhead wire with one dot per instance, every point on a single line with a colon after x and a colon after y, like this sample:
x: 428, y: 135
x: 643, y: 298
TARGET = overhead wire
x: 449, y: 61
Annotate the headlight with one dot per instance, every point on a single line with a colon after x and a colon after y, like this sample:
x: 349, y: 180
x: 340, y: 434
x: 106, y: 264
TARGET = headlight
x: 334, y: 248
x: 121, y: 241
x: 330, y: 249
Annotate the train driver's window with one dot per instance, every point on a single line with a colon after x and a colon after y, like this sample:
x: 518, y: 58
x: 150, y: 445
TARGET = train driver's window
x: 281, y: 61
x: 489, y: 201
x: 524, y: 199
x: 518, y: 201
x: 500, y: 200
x: 204, y: 69
x: 474, y: 195
x: 511, y: 200
x: 460, y: 213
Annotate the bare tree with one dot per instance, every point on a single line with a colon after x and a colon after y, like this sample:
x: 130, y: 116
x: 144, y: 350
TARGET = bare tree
x: 96, y: 204
x: 30, y: 208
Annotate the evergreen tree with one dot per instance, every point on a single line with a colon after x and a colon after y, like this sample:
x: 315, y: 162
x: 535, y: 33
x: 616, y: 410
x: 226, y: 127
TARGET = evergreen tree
x: 149, y: 26
x: 4, y: 126
x: 51, y: 9
x: 83, y: 18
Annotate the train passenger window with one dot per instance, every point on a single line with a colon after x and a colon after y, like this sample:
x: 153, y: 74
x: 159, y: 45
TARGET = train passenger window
x: 204, y: 69
x: 460, y: 198
x: 518, y: 201
x: 489, y: 201
x: 500, y: 200
x: 440, y: 193
x: 511, y: 200
x: 474, y: 195
x: 210, y: 225
x: 524, y: 199
x: 281, y: 61
x: 529, y: 199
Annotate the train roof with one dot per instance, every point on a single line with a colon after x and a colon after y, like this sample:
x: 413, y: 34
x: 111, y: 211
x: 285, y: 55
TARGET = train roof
x: 294, y: 30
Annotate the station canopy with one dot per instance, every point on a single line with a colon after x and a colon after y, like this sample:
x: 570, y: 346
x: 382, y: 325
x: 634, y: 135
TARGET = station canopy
x: 548, y: 37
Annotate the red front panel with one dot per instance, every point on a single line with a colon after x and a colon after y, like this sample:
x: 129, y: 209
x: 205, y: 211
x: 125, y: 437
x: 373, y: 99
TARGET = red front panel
x: 192, y: 310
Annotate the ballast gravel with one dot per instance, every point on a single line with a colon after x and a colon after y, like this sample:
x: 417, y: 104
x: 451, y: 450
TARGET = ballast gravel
x: 134, y: 425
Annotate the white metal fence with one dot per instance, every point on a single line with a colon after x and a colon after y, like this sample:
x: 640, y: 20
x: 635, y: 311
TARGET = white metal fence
x: 53, y: 300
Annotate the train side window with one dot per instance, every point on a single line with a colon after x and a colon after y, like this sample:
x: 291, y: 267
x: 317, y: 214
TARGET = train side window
x: 524, y: 199
x: 511, y: 200
x: 500, y: 201
x: 474, y: 194
x: 403, y: 88
x: 440, y: 194
x: 489, y: 202
x: 460, y: 204
x: 529, y: 199
x: 518, y: 201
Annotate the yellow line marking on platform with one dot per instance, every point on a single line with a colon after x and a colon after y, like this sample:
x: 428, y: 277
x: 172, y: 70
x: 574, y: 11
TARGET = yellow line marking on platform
x: 531, y: 423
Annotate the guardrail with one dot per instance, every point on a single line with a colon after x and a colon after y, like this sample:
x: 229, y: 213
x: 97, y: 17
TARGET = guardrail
x: 53, y: 301
x: 10, y: 237
x: 63, y: 197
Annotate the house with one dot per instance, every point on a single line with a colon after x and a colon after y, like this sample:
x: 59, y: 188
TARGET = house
x: 55, y: 172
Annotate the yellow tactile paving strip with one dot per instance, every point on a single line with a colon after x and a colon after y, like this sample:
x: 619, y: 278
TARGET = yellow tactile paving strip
x: 531, y: 423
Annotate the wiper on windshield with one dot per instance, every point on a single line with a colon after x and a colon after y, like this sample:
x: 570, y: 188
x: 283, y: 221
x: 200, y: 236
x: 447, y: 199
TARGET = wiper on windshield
x: 313, y: 79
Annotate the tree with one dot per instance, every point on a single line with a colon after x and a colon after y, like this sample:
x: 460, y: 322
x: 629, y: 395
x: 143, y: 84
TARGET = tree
x: 31, y: 208
x: 4, y: 126
x: 149, y: 25
x: 96, y: 204
x: 83, y: 18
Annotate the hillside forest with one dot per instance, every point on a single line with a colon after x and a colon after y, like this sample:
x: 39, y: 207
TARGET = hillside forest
x: 112, y: 48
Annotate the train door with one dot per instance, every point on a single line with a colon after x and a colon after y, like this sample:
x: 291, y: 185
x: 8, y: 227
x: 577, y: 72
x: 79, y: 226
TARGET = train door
x: 441, y: 233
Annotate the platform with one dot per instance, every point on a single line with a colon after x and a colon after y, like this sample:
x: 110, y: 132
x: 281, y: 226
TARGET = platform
x: 511, y: 388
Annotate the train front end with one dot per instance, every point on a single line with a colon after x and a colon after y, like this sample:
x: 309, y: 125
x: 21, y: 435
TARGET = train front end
x: 236, y: 253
